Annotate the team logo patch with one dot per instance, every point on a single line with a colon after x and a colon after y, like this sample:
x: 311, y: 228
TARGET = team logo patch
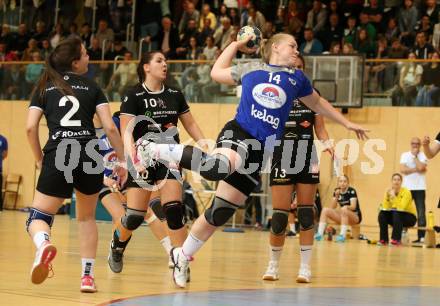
x: 305, y: 124
x: 292, y: 81
x: 66, y: 77
x: 269, y: 95
x: 125, y: 99
x: 110, y: 160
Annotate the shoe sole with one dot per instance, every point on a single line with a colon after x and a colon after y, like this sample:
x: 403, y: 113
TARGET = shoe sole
x: 302, y: 280
x: 41, y: 271
x: 88, y: 289
x: 270, y: 278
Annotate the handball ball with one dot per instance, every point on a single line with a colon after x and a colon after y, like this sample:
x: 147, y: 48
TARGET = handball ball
x: 254, y: 32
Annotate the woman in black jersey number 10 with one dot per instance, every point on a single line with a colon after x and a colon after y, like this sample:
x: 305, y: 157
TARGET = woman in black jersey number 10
x: 69, y: 159
x: 295, y: 167
x: 154, y: 109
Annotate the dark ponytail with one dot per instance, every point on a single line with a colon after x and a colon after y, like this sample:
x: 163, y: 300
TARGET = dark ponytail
x: 145, y: 59
x: 59, y: 62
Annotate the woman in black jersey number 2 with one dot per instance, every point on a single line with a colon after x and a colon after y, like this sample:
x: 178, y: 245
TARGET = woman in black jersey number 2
x: 152, y: 108
x: 69, y: 159
x: 295, y: 166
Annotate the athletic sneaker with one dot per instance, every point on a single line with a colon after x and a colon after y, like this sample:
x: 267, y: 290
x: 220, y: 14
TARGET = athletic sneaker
x: 318, y: 237
x: 180, y: 269
x: 291, y: 234
x: 340, y: 238
x: 382, y: 243
x: 272, y: 271
x: 88, y: 284
x: 304, y: 274
x: 395, y: 242
x: 42, y: 263
x: 146, y: 152
x: 115, y: 258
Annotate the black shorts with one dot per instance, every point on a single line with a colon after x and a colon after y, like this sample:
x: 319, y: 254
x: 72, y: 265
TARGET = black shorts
x: 248, y: 176
x: 149, y: 178
x: 297, y: 168
x: 54, y: 182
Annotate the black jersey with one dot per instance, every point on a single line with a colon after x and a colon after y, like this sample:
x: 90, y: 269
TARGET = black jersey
x: 344, y: 198
x: 163, y: 108
x: 69, y: 117
x: 300, y: 123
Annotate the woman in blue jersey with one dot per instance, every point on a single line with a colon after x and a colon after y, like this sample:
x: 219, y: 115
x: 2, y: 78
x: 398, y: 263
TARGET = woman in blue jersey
x: 268, y: 90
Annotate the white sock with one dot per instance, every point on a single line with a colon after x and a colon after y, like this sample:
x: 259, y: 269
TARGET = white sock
x: 170, y: 152
x: 292, y: 227
x: 306, y: 254
x: 321, y: 228
x: 88, y: 267
x: 166, y: 243
x: 191, y: 245
x: 275, y: 253
x: 40, y: 238
x: 343, y: 230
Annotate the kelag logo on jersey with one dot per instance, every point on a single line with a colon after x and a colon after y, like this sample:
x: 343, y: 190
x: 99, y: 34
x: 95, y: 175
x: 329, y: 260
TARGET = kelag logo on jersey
x: 269, y: 95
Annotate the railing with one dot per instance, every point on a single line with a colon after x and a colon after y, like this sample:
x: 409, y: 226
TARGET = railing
x: 381, y: 81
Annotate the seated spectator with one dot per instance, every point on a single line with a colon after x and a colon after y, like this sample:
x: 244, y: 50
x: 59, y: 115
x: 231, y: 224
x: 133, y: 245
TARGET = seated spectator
x: 268, y: 30
x: 397, y: 210
x: 95, y: 51
x: 316, y: 17
x: 46, y: 49
x: 295, y: 20
x: 407, y: 19
x: 280, y: 20
x: 235, y: 17
x: 349, y: 212
x: 432, y: 9
x: 168, y: 38
x: 206, y: 13
x: 375, y: 13
x: 32, y: 47
x: 33, y: 71
x: 410, y: 76
x: 206, y: 31
x: 123, y: 77
x: 392, y: 30
x: 428, y: 94
x: 73, y: 31
x: 376, y: 77
x: 311, y: 46
x: 40, y: 31
x: 104, y: 33
x: 13, y: 85
x: 332, y: 32
x: 424, y: 25
x: 222, y: 36
x: 86, y: 35
x: 363, y: 44
x: 57, y: 35
x: 118, y: 50
x: 422, y: 49
x: 222, y: 12
x: 190, y: 13
x: 210, y: 50
x: 7, y: 37
x: 347, y: 49
x: 350, y: 30
x: 397, y: 50
x: 190, y: 31
x: 364, y: 23
x: 255, y: 18
x: 21, y: 39
x: 335, y: 48
x: 193, y: 50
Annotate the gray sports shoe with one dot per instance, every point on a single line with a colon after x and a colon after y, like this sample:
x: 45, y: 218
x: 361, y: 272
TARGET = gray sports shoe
x: 115, y: 257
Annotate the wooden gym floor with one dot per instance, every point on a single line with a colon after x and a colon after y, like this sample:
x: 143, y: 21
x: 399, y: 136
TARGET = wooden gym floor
x: 227, y: 271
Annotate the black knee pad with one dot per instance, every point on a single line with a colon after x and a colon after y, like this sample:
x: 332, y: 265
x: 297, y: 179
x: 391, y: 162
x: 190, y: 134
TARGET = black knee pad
x: 174, y: 215
x: 279, y: 222
x: 157, y: 209
x: 35, y: 214
x: 133, y: 218
x: 306, y: 217
x: 215, y: 167
x: 220, y: 212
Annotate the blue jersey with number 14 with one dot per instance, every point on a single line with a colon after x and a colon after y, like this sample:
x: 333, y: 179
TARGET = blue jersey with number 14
x: 267, y: 95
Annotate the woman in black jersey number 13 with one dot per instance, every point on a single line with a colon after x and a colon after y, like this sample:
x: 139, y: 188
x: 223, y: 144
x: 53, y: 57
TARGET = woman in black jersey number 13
x: 69, y: 159
x: 152, y: 108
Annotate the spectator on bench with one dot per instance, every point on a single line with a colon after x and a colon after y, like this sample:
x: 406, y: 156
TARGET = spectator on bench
x: 397, y: 210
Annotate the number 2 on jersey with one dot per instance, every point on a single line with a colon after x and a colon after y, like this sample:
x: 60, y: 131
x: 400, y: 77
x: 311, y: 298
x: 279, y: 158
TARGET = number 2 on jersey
x: 276, y: 78
x: 66, y: 121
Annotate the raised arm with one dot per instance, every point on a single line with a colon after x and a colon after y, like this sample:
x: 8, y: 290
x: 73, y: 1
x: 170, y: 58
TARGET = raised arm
x: 323, y: 107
